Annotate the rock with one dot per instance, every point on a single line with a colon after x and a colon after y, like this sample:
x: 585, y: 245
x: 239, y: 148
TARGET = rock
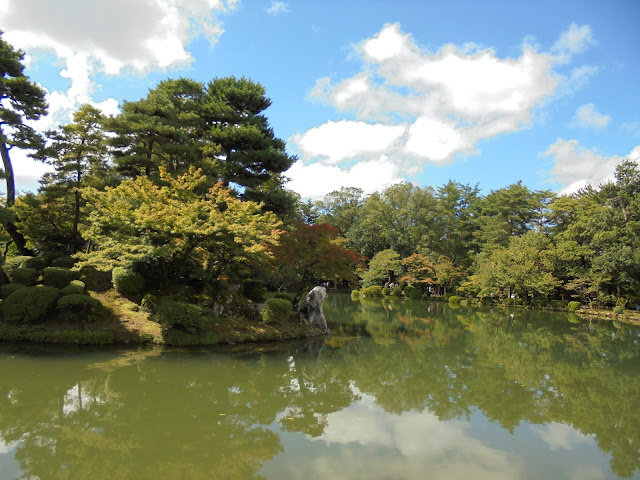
x: 311, y: 310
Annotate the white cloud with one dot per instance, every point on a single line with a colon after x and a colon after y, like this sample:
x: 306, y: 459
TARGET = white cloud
x: 277, y: 7
x: 106, y: 37
x: 441, y: 104
x: 575, y: 40
x: 316, y: 180
x: 632, y: 127
x: 587, y: 116
x: 559, y: 436
x: 336, y: 141
x: 576, y: 167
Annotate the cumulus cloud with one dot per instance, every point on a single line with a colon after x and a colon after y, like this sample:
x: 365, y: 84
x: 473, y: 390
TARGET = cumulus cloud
x: 434, y: 106
x: 588, y: 117
x: 559, y: 436
x: 576, y: 167
x: 277, y: 8
x: 108, y: 37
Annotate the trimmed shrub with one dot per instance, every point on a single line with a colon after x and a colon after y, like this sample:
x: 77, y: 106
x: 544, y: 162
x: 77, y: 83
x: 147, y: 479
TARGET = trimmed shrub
x: 283, y: 296
x: 372, y: 291
x: 276, y: 310
x: 58, y: 277
x: 618, y: 309
x: 127, y: 282
x: 30, y: 304
x: 63, y: 262
x: 454, y: 299
x: 184, y: 316
x: 386, y: 291
x: 573, y: 306
x: 396, y: 292
x: 78, y: 308
x: 6, y: 290
x: 75, y: 287
x: 355, y: 294
x: 39, y: 263
x: 24, y: 276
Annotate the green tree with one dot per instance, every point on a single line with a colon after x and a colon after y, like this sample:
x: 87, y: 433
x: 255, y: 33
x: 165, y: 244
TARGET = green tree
x: 20, y: 100
x: 383, y: 268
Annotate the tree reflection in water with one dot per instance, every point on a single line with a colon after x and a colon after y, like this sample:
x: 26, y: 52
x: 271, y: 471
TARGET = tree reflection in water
x: 391, y: 377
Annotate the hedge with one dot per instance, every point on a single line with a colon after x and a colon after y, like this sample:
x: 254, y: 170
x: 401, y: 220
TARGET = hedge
x: 276, y: 310
x: 75, y: 287
x: 30, y: 304
x: 6, y: 290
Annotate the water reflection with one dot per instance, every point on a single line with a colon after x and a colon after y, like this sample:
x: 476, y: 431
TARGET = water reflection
x: 400, y: 390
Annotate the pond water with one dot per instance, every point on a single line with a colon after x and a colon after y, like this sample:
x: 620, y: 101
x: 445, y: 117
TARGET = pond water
x: 399, y: 390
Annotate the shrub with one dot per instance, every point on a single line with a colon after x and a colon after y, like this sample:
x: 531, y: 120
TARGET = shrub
x: 30, y: 304
x: 184, y: 316
x: 6, y: 290
x: 127, y: 282
x: 573, y: 306
x: 77, y: 308
x: 396, y: 292
x: 39, y: 263
x: 454, y: 299
x: 283, y: 296
x: 64, y: 262
x: 75, y: 287
x: 386, y: 291
x: 276, y: 310
x: 24, y: 276
x: 58, y: 277
x: 372, y: 291
x: 618, y: 309
x: 414, y: 293
x: 355, y: 294
x: 149, y: 303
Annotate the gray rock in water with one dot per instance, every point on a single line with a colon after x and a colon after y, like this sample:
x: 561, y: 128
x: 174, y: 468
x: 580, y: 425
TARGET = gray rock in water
x: 311, y: 309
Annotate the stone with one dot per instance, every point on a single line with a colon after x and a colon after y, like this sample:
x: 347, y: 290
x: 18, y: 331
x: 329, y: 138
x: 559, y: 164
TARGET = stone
x: 311, y: 310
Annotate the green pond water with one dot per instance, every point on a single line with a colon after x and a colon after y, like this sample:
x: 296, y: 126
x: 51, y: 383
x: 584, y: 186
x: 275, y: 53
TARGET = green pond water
x: 411, y: 390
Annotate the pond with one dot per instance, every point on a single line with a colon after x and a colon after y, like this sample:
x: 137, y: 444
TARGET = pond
x: 399, y: 390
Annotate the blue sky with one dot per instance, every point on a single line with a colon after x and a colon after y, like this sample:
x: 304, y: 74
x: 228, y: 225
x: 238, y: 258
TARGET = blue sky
x: 368, y: 92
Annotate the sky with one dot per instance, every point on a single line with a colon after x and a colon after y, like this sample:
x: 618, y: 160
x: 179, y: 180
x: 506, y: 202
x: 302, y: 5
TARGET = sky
x: 367, y: 93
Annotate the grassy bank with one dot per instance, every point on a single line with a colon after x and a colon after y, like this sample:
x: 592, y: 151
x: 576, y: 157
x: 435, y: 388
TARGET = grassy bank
x: 123, y: 323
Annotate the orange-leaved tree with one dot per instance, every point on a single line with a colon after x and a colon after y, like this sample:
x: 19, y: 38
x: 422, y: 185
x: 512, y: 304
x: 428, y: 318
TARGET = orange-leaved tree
x: 313, y: 252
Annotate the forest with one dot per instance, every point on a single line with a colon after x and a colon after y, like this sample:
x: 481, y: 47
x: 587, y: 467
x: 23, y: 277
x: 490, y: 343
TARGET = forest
x: 179, y: 203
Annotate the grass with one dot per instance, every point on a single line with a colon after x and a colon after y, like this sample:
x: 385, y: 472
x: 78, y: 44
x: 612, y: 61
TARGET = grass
x: 124, y: 323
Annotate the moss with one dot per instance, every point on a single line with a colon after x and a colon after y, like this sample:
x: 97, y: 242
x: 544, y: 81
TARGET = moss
x: 79, y: 308
x: 276, y: 311
x: 30, y: 304
x: 6, y: 290
x: 75, y: 287
x: 58, y: 277
x: 24, y: 276
x: 126, y: 281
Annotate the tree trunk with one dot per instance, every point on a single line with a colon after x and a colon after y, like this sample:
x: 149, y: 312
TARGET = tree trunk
x: 9, y: 226
x: 296, y: 300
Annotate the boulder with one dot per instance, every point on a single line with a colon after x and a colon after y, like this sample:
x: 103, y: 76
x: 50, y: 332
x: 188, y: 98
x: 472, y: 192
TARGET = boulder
x: 311, y: 310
